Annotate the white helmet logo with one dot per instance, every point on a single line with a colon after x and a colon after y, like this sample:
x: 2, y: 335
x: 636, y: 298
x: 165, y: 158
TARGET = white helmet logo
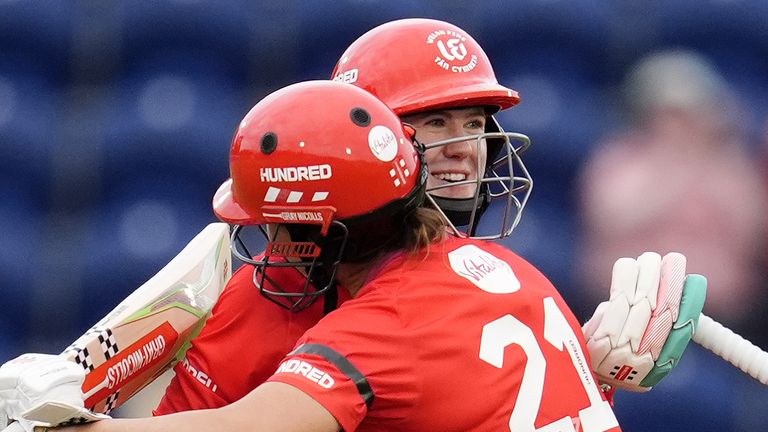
x: 383, y: 143
x: 455, y: 49
x: 453, y: 55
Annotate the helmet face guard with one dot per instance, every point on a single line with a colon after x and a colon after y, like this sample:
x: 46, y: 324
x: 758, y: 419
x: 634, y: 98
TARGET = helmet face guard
x: 313, y: 248
x: 314, y: 270
x: 505, y: 181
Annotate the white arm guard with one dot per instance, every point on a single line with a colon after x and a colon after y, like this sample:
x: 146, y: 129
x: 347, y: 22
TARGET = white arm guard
x: 626, y: 334
x: 43, y: 390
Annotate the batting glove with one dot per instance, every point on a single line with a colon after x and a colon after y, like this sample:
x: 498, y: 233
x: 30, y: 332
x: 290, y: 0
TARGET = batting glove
x: 637, y: 337
x: 43, y: 390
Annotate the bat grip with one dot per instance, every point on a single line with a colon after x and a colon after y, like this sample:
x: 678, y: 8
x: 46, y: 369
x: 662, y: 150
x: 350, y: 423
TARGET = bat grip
x: 733, y: 348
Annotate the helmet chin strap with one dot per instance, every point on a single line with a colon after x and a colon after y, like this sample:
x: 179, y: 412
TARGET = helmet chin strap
x: 459, y: 210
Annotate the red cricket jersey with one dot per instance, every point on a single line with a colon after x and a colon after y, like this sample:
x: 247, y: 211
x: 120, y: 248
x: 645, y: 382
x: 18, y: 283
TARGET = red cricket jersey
x: 470, y: 338
x: 241, y: 344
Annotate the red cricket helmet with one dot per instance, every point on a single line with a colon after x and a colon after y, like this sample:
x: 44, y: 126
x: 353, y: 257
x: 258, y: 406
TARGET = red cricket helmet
x: 317, y: 145
x: 334, y: 167
x: 418, y: 64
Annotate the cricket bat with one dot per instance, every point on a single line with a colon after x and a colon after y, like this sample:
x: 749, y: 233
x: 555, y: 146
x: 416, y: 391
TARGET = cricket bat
x: 732, y: 348
x: 149, y: 331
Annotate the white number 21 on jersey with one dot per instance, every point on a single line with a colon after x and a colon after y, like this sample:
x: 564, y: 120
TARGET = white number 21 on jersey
x: 508, y: 330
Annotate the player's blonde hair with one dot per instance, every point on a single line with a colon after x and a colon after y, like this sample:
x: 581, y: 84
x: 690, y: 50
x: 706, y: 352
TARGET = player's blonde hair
x: 410, y: 231
x: 424, y: 226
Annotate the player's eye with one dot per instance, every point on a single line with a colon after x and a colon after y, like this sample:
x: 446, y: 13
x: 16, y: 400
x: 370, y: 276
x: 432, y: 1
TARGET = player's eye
x: 435, y: 122
x: 476, y: 124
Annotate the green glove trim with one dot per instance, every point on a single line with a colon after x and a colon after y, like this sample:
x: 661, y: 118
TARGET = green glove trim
x: 691, y: 304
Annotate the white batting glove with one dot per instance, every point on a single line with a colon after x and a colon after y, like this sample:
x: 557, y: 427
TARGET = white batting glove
x: 43, y: 390
x: 638, y: 336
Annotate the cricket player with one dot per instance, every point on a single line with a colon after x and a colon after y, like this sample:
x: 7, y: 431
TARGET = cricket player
x: 451, y: 98
x: 440, y: 332
x: 440, y: 105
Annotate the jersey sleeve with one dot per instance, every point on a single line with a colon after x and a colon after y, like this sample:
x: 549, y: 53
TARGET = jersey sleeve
x: 329, y: 378
x: 245, y: 330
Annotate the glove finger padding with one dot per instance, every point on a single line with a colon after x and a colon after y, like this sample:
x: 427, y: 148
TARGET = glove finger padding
x: 670, y: 291
x: 608, y: 319
x: 628, y: 334
x: 598, y: 347
x: 692, y: 303
x: 643, y: 302
x: 607, y: 332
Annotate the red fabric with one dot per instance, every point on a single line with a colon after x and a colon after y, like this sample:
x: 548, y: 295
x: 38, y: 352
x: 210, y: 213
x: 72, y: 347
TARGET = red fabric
x: 414, y: 332
x: 241, y: 344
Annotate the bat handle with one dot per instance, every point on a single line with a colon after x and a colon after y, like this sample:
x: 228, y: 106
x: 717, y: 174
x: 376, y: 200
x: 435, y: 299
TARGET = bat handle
x: 733, y: 348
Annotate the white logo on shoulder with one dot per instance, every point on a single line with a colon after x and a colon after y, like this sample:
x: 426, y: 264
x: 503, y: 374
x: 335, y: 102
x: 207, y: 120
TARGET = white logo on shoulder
x: 484, y: 270
x: 306, y: 370
x: 383, y: 143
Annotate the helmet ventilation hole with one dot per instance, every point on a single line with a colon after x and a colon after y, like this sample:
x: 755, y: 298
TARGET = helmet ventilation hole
x: 360, y: 117
x: 268, y: 143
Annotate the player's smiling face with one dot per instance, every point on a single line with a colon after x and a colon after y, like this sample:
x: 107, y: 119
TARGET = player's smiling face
x: 452, y: 163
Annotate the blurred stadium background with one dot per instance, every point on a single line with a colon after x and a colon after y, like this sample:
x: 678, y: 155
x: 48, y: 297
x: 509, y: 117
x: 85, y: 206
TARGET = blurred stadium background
x: 116, y: 116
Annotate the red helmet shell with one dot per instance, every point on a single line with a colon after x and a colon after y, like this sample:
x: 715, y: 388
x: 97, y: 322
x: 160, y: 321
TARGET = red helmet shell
x: 317, y: 145
x: 417, y: 65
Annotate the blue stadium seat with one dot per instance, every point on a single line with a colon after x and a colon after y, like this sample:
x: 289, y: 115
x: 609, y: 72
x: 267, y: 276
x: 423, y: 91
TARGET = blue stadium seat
x: 220, y: 33
x: 164, y: 154
x: 746, y: 68
x: 738, y: 44
x: 325, y: 29
x: 20, y: 252
x: 172, y: 126
x: 692, y: 23
x: 39, y: 36
x: 35, y: 45
x: 134, y: 232
x: 562, y: 112
x: 508, y: 30
x: 701, y: 394
x: 27, y: 124
x: 546, y: 238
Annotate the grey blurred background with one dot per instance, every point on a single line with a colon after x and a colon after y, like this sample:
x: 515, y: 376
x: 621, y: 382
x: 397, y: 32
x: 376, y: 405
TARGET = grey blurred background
x: 116, y: 116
